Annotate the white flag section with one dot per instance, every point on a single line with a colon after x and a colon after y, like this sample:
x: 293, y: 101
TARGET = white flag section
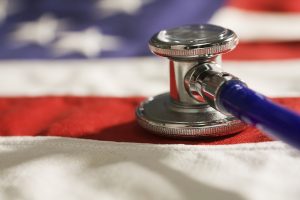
x: 259, y: 26
x: 63, y: 168
x: 125, y: 77
x: 71, y: 169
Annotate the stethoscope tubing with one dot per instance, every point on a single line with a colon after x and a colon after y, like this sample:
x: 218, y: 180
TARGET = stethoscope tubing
x: 259, y: 111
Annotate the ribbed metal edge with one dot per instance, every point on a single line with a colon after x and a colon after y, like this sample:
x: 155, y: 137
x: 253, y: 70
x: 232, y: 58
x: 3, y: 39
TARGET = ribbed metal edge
x: 227, y: 128
x: 204, y: 51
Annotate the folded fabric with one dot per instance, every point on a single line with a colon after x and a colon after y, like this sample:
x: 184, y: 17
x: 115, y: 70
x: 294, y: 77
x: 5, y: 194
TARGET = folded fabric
x: 100, y: 118
x: 63, y: 168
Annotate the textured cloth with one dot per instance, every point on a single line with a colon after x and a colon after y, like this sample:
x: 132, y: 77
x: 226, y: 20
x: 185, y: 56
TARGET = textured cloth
x: 111, y: 119
x: 61, y: 168
x: 95, y: 99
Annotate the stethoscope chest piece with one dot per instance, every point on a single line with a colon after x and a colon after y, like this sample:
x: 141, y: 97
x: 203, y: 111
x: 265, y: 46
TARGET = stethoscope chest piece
x: 160, y: 116
x: 184, y: 112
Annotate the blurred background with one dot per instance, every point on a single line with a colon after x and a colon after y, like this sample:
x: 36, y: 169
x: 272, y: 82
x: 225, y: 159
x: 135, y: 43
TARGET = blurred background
x: 55, y: 29
x: 87, y: 48
x: 74, y: 46
x: 64, y: 29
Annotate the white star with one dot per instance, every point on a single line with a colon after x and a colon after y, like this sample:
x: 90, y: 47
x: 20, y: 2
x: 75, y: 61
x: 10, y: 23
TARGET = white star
x: 3, y: 9
x: 111, y: 7
x: 8, y: 7
x: 89, y: 42
x: 39, y: 32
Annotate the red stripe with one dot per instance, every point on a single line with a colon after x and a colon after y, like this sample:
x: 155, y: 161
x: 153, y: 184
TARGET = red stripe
x: 173, y: 86
x: 109, y: 119
x: 265, y: 51
x: 267, y: 5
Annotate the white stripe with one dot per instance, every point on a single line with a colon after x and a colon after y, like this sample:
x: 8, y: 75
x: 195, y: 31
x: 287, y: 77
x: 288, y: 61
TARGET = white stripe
x: 136, y: 76
x: 255, y: 26
x: 113, y: 77
x: 271, y: 78
x: 62, y: 168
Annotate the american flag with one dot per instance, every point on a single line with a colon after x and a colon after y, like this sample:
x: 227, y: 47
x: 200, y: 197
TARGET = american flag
x: 73, y: 72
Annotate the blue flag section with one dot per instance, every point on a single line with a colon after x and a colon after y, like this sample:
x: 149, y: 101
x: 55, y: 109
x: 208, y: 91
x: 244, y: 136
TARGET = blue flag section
x: 54, y: 29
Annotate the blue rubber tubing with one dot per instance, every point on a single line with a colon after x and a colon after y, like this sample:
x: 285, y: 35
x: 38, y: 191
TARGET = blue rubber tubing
x: 257, y: 110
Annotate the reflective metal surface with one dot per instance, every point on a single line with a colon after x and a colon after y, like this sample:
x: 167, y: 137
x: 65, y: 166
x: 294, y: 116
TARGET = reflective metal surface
x: 207, y: 80
x: 182, y: 85
x: 193, y: 41
x: 162, y: 117
x: 178, y: 93
x: 195, y: 77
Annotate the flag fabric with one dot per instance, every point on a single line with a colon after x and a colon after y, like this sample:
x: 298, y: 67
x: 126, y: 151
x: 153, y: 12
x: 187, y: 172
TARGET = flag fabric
x: 73, y: 72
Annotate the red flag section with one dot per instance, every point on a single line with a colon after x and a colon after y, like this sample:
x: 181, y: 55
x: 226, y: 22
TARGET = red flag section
x: 108, y: 119
x: 265, y: 51
x: 267, y: 5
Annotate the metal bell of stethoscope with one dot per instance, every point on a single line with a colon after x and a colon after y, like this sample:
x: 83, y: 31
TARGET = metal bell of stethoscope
x: 203, y: 100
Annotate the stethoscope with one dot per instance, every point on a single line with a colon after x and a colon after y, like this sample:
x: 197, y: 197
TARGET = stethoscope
x: 203, y: 100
